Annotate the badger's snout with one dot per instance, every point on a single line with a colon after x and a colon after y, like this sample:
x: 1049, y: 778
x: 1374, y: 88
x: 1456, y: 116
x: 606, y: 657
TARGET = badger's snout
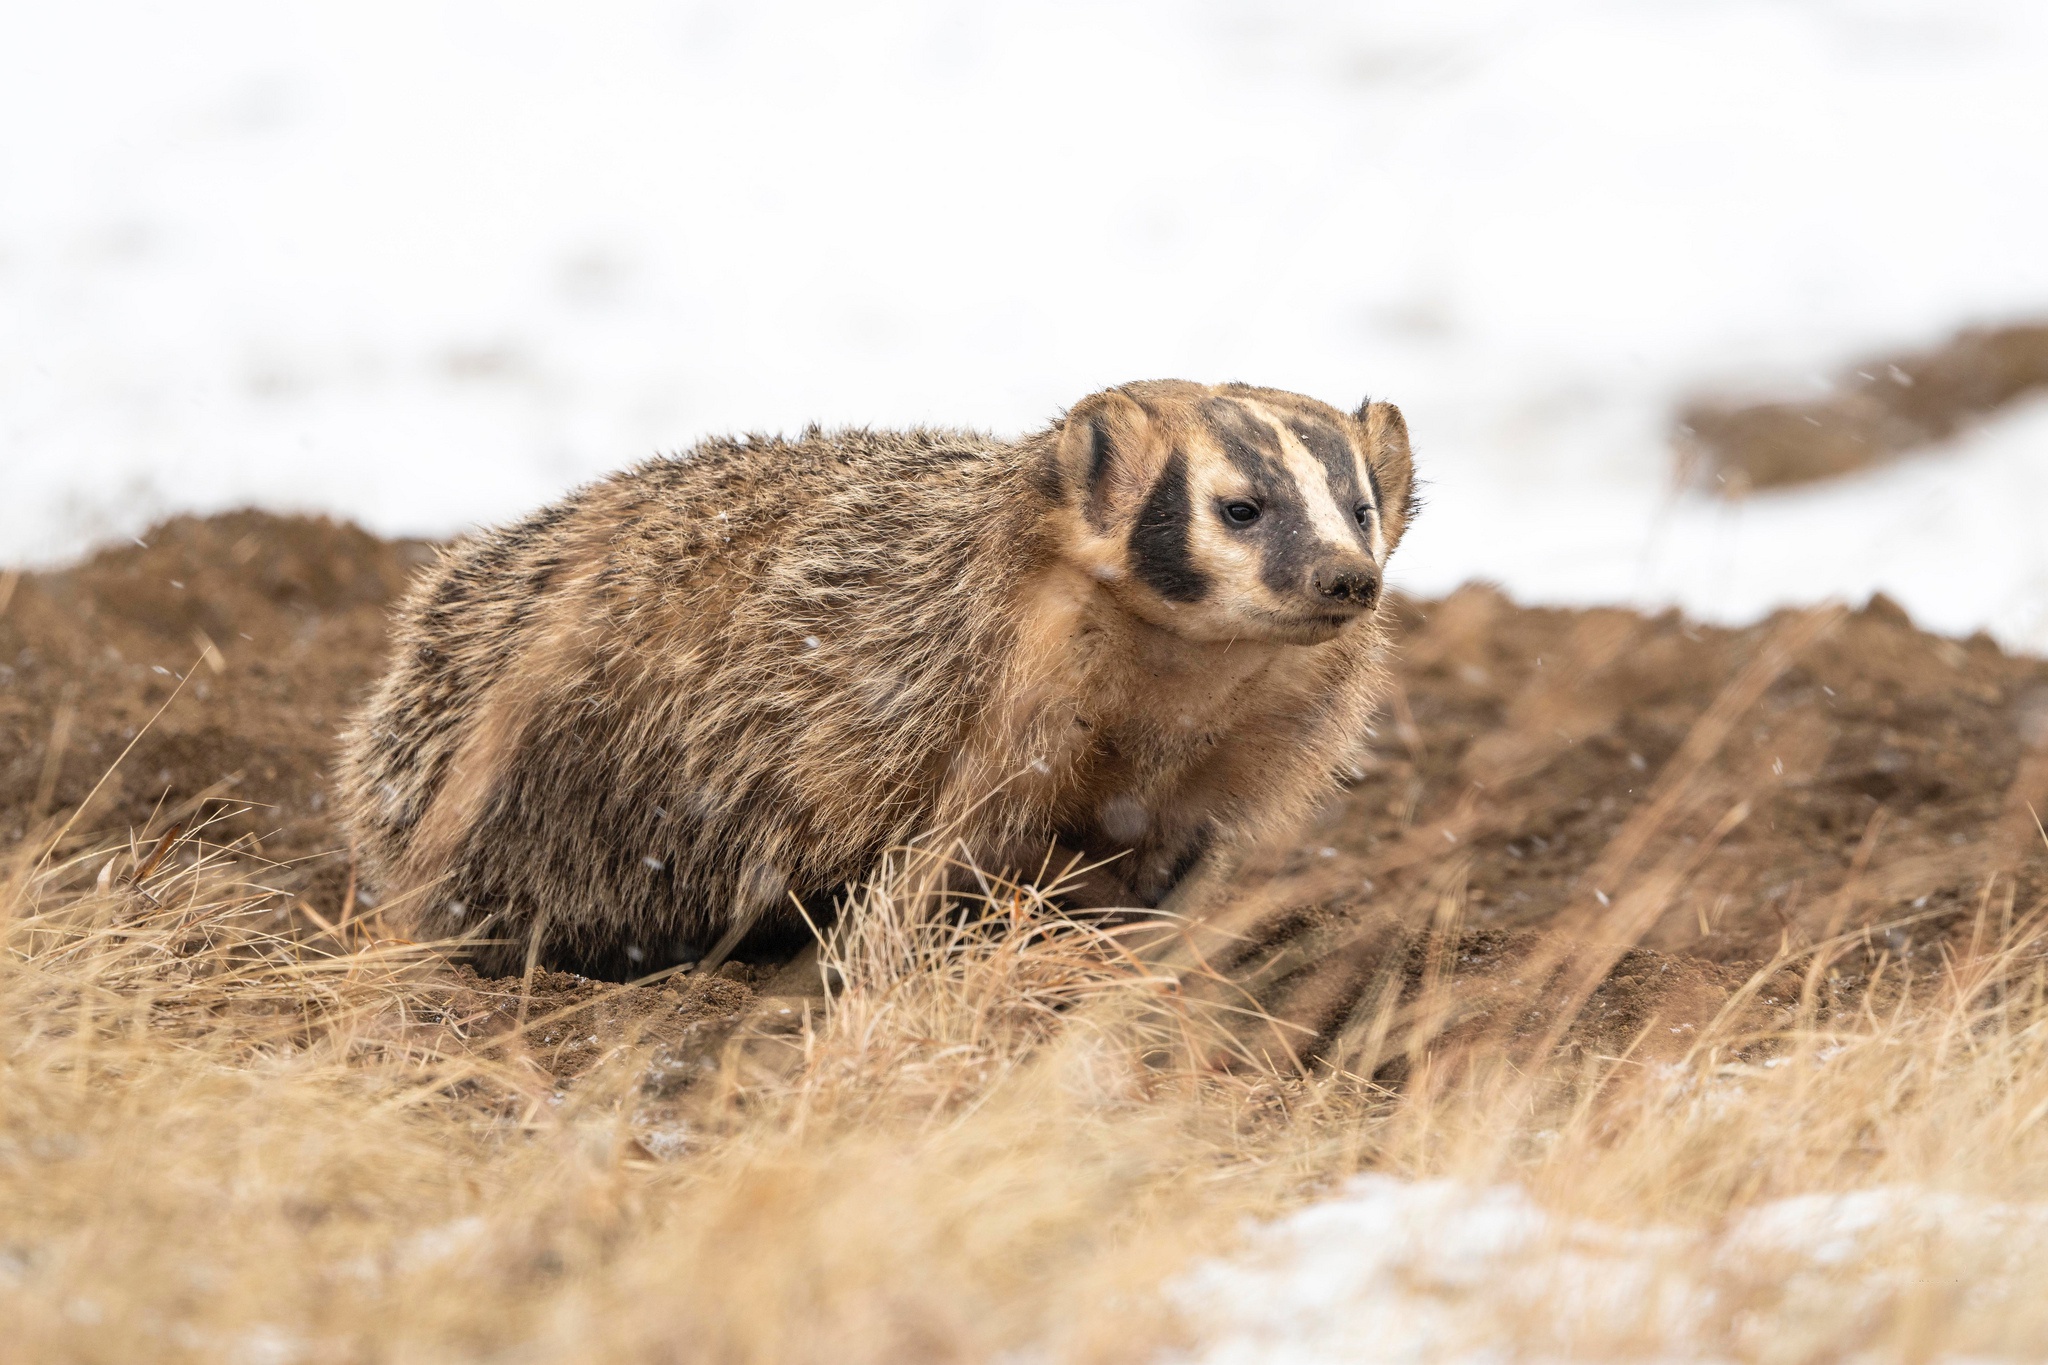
x: 1353, y: 581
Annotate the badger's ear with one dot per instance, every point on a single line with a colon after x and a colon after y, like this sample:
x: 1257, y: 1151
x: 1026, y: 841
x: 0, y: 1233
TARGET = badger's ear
x: 1105, y: 457
x: 1393, y: 464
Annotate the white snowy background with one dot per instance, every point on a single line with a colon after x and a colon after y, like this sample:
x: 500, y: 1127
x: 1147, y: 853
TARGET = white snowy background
x: 429, y: 264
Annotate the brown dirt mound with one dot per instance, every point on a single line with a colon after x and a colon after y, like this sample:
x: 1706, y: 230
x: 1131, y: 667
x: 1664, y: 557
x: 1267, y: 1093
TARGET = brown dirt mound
x: 1522, y: 742
x: 1683, y: 801
x: 1874, y: 411
x: 281, y: 622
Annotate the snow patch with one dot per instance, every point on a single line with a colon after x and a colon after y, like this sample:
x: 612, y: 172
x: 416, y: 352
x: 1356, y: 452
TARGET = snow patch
x: 1394, y: 1270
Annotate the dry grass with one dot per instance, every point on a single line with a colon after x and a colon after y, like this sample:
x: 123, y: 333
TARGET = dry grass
x: 221, y: 1140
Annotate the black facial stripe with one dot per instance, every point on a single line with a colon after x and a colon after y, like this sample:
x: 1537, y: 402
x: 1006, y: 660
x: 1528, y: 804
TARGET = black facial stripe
x: 1159, y: 542
x: 1372, y: 477
x: 1333, y: 450
x: 1287, y: 542
x: 1249, y: 444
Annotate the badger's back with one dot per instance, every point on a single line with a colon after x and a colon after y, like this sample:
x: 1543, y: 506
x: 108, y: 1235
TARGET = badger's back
x: 665, y: 704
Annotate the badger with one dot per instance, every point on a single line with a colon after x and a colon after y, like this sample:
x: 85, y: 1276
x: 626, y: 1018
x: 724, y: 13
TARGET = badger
x: 694, y: 701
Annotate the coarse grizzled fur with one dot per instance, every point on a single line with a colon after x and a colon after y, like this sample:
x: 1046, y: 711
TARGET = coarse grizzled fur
x: 644, y: 718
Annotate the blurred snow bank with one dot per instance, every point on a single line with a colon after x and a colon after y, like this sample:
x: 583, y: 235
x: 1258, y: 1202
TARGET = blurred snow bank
x: 1393, y: 1270
x: 425, y: 264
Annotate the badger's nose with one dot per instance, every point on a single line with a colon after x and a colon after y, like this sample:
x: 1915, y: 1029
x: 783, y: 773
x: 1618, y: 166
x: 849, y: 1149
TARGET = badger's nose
x: 1348, y: 580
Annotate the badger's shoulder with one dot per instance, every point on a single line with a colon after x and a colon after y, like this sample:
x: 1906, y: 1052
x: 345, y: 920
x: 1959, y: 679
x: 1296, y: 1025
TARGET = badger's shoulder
x: 818, y: 463
x: 704, y: 494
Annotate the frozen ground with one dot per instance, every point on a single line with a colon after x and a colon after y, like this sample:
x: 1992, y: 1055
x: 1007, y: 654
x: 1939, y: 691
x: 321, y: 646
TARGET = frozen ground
x: 1394, y: 1271
x: 429, y: 263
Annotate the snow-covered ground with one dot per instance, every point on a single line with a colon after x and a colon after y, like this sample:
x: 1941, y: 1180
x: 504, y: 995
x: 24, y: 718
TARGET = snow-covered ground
x: 1395, y: 1271
x: 428, y: 263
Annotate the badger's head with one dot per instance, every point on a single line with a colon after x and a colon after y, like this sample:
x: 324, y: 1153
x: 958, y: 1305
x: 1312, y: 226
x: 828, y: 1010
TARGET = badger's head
x: 1232, y: 512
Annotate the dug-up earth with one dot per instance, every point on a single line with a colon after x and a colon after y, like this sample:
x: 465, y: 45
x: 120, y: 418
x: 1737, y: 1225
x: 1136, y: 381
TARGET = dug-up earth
x: 1675, y: 805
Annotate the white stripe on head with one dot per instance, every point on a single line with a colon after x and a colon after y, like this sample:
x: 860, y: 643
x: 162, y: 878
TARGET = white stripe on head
x: 1335, y: 526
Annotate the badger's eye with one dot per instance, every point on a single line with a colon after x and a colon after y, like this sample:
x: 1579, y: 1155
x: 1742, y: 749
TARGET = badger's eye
x: 1364, y: 513
x: 1240, y: 513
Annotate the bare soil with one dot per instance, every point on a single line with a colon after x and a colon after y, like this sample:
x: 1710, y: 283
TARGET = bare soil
x: 1678, y: 803
x: 1873, y: 411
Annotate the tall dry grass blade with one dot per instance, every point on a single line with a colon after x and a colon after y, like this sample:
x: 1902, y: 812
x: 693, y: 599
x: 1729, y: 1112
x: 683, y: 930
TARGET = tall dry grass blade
x: 65, y: 829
